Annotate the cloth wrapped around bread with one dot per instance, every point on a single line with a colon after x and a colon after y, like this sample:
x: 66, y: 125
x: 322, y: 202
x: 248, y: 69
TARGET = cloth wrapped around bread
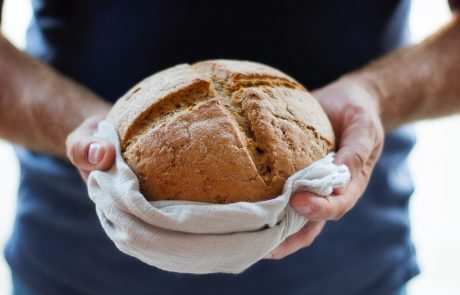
x: 219, y: 131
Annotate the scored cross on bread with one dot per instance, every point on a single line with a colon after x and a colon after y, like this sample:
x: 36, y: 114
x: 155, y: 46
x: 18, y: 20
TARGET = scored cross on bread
x: 219, y: 131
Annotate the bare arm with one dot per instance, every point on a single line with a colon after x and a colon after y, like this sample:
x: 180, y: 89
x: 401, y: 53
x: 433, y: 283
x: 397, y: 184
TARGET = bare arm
x: 38, y: 106
x: 419, y: 82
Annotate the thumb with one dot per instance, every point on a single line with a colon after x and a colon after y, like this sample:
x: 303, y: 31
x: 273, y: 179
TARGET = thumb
x: 91, y: 154
x: 87, y: 152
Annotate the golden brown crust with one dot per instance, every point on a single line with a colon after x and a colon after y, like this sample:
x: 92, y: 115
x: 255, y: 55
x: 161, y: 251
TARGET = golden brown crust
x: 131, y: 111
x: 219, y: 131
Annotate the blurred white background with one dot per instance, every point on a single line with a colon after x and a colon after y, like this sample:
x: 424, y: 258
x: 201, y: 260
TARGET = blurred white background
x: 434, y: 163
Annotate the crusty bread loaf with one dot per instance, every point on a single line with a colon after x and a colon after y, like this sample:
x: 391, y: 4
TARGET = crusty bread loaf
x: 219, y: 131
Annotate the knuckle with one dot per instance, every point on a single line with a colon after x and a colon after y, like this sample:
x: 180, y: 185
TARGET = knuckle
x: 342, y: 210
x: 316, y: 211
x: 379, y: 129
x: 350, y: 205
x: 79, y: 152
x: 355, y: 108
x: 378, y: 133
x: 353, y: 113
x: 379, y: 142
x: 368, y: 122
x: 340, y: 213
x: 346, y: 206
x: 357, y: 159
x: 378, y: 146
x: 322, y: 211
x: 308, y: 242
x: 366, y: 173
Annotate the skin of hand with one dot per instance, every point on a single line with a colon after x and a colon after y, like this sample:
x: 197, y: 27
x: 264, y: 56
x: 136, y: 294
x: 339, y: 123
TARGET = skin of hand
x: 358, y: 105
x: 87, y: 152
x: 354, y: 114
x: 413, y: 83
x: 42, y: 107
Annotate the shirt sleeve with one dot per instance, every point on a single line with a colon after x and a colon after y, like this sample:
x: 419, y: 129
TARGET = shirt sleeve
x: 454, y: 4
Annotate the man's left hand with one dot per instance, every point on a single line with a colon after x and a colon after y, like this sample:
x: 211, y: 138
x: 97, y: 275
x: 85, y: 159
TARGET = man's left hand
x: 355, y: 116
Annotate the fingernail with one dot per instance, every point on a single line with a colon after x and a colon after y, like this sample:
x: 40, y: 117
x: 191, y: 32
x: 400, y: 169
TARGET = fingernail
x: 95, y: 153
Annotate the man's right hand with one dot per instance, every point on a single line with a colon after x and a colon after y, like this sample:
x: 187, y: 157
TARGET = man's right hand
x: 87, y: 152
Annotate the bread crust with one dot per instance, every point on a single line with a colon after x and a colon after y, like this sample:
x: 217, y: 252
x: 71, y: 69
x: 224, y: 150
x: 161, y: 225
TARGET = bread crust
x: 219, y: 131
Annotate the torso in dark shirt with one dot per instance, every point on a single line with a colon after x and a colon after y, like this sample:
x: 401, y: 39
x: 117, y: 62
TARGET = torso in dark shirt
x: 58, y: 246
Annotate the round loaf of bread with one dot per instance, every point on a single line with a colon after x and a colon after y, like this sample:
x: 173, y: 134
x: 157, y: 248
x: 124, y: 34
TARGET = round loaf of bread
x: 219, y: 131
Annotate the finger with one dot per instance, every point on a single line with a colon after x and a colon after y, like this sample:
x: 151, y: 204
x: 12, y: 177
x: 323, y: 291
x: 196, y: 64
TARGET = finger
x: 299, y: 240
x: 89, y: 153
x: 357, y: 143
x: 357, y: 152
x: 318, y: 208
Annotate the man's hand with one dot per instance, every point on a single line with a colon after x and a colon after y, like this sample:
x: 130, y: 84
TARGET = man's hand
x: 87, y: 152
x: 413, y: 83
x: 354, y: 114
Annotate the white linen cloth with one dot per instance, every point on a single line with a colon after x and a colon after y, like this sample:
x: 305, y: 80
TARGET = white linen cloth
x: 192, y: 237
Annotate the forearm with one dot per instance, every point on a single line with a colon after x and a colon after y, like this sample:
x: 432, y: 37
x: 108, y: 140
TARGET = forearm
x: 38, y: 106
x: 418, y: 82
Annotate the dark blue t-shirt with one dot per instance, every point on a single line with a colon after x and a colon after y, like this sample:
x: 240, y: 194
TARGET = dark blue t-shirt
x: 58, y: 245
